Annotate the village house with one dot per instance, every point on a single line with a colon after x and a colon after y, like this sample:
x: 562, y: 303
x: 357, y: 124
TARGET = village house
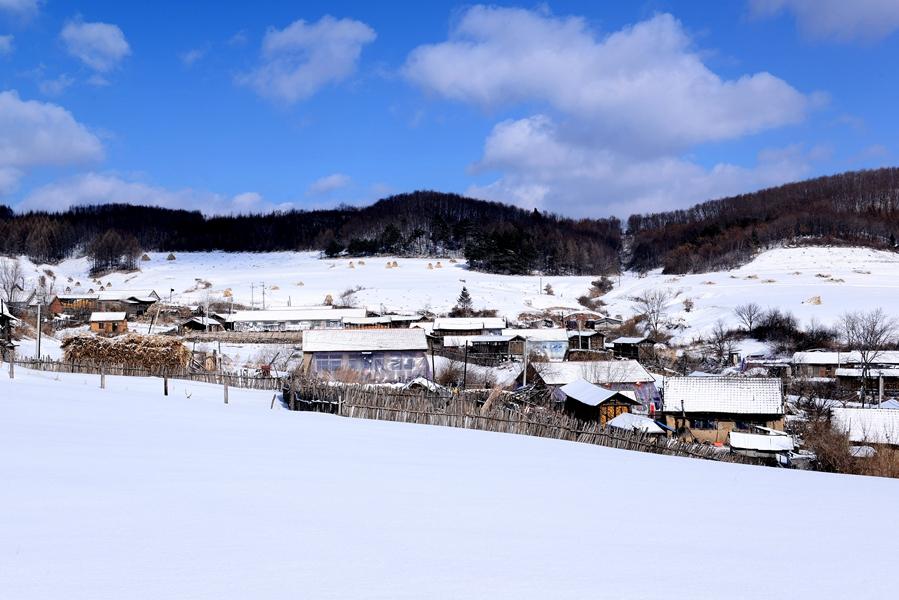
x: 367, y: 355
x: 7, y: 322
x: 208, y: 324
x: 589, y: 402
x: 468, y: 326
x: 110, y: 323
x: 382, y: 322
x: 880, y: 381
x: 818, y: 363
x: 619, y: 375
x: 876, y: 426
x: 132, y: 302
x: 634, y: 348
x: 549, y: 344
x: 707, y: 409
x: 489, y: 347
x: 299, y: 319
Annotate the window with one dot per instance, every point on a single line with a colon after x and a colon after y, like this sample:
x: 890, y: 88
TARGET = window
x: 703, y: 424
x: 328, y: 361
x: 742, y: 425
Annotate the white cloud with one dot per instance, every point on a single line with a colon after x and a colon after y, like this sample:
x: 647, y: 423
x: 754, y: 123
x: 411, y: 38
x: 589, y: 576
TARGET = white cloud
x: 101, y: 46
x: 6, y: 45
x: 327, y: 184
x: 302, y: 58
x: 54, y: 87
x: 544, y: 167
x: 20, y: 8
x: 644, y: 85
x: 101, y: 188
x: 842, y: 20
x: 238, y: 39
x: 619, y: 113
x: 191, y: 56
x: 34, y: 134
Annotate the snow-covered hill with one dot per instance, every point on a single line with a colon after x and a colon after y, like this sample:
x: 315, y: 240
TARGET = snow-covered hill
x: 124, y: 493
x: 812, y: 282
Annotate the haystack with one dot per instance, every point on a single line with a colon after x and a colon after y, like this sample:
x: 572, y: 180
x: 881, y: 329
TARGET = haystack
x: 145, y: 257
x: 171, y: 256
x: 153, y: 352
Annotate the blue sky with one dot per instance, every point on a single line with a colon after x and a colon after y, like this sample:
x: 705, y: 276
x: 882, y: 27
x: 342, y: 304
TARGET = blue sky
x: 582, y: 108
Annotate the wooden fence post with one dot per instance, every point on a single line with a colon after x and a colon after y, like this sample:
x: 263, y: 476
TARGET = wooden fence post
x: 102, y: 379
x: 12, y: 364
x: 226, y: 392
x: 165, y: 385
x: 272, y: 407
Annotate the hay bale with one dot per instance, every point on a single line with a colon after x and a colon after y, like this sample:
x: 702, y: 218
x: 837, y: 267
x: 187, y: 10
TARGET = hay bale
x: 227, y: 293
x: 329, y: 300
x: 153, y: 352
x: 439, y: 265
x: 171, y: 256
x: 430, y: 266
x: 300, y: 284
x: 361, y: 263
x: 145, y: 257
x: 816, y: 300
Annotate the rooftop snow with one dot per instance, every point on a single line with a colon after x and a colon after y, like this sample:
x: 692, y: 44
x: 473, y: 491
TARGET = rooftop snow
x: 742, y: 395
x: 760, y: 442
x: 632, y: 422
x: 463, y: 324
x: 595, y: 371
x: 300, y: 314
x: 592, y: 395
x: 108, y: 316
x: 363, y: 340
x: 868, y: 425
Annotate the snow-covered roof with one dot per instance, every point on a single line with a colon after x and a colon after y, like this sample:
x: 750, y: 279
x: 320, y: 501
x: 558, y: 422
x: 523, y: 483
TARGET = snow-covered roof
x: 592, y: 395
x: 108, y: 316
x: 4, y: 312
x: 540, y: 335
x: 874, y: 372
x: 299, y: 314
x: 885, y: 357
x: 742, y: 395
x: 383, y: 320
x: 459, y: 341
x: 869, y: 425
x: 631, y: 422
x: 594, y: 371
x: 630, y: 340
x: 122, y: 295
x: 466, y: 323
x: 363, y: 340
x: 892, y: 404
x: 761, y: 442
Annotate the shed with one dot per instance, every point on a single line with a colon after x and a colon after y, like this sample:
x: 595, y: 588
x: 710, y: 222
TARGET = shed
x: 468, y: 326
x: 635, y: 348
x: 709, y: 408
x: 589, y: 402
x: 369, y: 355
x: 631, y: 422
x: 108, y: 322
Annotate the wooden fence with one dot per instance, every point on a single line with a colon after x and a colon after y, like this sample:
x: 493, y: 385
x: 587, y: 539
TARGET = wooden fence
x: 485, y: 410
x: 237, y: 380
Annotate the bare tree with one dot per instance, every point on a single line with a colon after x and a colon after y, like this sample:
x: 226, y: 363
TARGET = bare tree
x: 748, y: 314
x: 869, y: 334
x: 652, y: 306
x: 12, y: 279
x: 721, y: 342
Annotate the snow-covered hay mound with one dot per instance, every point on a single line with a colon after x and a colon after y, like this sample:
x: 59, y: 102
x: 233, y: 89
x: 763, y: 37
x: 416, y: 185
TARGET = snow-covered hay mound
x: 153, y: 352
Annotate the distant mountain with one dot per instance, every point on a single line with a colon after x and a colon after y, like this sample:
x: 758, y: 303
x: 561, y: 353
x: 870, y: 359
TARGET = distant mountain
x: 493, y: 237
x: 859, y: 208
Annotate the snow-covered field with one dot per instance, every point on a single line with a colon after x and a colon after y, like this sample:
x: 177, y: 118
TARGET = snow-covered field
x: 123, y: 493
x: 814, y: 283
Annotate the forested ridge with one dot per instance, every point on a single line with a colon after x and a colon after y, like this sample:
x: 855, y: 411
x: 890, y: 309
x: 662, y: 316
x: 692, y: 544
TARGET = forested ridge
x: 858, y: 208
x: 494, y: 237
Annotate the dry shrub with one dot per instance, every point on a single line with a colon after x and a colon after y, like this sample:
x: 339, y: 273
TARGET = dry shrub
x: 831, y: 447
x: 329, y: 300
x: 449, y: 374
x: 885, y: 463
x: 153, y: 352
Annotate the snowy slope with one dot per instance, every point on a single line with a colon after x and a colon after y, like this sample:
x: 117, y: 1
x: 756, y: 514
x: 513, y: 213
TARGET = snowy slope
x: 125, y: 494
x: 787, y: 278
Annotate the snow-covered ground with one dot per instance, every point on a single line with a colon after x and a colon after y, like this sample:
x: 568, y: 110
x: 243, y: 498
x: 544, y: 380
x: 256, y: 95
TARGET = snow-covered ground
x: 123, y: 493
x: 812, y: 282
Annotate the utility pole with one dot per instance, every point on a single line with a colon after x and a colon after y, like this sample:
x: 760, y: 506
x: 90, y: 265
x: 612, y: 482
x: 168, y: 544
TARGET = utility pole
x: 39, y: 333
x: 252, y: 296
x: 263, y: 295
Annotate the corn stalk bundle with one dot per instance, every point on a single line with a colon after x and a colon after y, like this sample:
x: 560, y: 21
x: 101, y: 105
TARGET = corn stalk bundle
x: 153, y: 352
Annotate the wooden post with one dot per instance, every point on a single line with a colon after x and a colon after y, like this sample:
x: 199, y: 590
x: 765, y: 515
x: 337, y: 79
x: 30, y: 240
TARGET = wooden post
x: 102, y: 378
x: 12, y: 364
x: 226, y: 392
x: 165, y: 385
x: 39, y: 335
x: 465, y: 367
x: 272, y: 407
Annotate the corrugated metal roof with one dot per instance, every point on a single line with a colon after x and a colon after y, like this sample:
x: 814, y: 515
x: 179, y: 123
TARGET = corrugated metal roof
x: 868, y: 425
x: 108, y: 316
x: 595, y: 371
x: 587, y: 393
x: 741, y: 395
x: 363, y: 340
x: 121, y: 295
x: 760, y: 442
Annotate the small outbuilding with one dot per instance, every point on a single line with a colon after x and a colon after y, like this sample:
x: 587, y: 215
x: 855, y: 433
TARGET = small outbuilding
x: 589, y: 402
x: 634, y: 348
x: 111, y: 323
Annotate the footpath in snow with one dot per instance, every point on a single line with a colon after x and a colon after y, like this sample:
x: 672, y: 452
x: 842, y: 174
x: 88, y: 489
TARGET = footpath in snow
x: 124, y: 493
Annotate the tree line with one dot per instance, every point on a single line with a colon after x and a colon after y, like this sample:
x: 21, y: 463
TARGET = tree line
x: 494, y: 237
